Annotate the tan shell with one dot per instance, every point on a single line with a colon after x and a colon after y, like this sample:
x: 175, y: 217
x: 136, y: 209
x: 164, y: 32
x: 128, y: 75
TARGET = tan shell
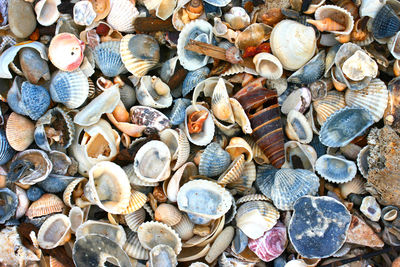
x: 45, y: 205
x: 325, y: 107
x: 298, y: 128
x: 220, y: 104
x: 184, y: 228
x: 268, y: 66
x: 54, y: 232
x: 193, y: 253
x: 253, y: 35
x: 220, y: 244
x: 216, y: 228
x: 135, y: 219
x: 178, y: 145
x: 356, y: 186
x: 234, y: 171
x: 19, y: 131
x: 136, y: 201
x: 252, y: 197
x: 238, y: 146
x: 258, y: 155
x: 168, y: 214
x: 74, y: 189
x: 240, y: 116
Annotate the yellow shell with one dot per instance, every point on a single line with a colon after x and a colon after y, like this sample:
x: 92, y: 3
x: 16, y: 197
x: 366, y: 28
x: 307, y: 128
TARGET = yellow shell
x: 136, y: 201
x: 19, y: 131
x: 45, y: 205
x: 233, y: 172
x: 325, y: 107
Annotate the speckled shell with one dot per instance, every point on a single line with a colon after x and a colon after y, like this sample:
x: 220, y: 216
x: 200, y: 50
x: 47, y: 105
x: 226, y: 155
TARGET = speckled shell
x: 204, y: 198
x: 336, y: 169
x: 69, y: 88
x: 214, y: 160
x: 108, y: 58
x: 207, y: 133
x: 199, y: 30
x: 122, y: 15
x: 344, y: 125
x: 135, y: 219
x: 321, y: 221
x: 150, y: 117
x: 193, y: 78
x: 374, y: 97
x: 177, y: 115
x: 386, y: 23
x: 84, y: 13
x: 113, y: 232
x: 327, y: 106
x: 45, y: 205
x: 154, y: 233
x: 10, y: 200
x: 133, y: 247
x: 312, y: 71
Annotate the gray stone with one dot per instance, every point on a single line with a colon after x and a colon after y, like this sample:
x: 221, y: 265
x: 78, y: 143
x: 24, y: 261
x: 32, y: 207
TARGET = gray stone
x: 21, y: 18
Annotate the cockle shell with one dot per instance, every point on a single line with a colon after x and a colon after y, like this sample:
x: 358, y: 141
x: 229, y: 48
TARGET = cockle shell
x: 394, y: 45
x: 177, y: 115
x: 133, y: 247
x: 108, y: 187
x: 312, y: 71
x: 45, y: 205
x: 54, y: 232
x: 178, y: 145
x: 108, y: 59
x: 19, y: 131
x: 184, y: 228
x: 153, y: 233
x: 213, y: 161
x: 327, y: 106
x: 355, y: 186
x: 136, y: 201
x: 197, y: 240
x: 135, y: 219
x: 335, y: 169
x: 338, y: 15
x: 206, y: 134
x: 10, y: 200
x: 233, y: 172
x: 113, y: 232
x: 22, y: 202
x: 66, y: 51
x: 268, y: 66
x: 122, y: 15
x: 148, y: 93
x: 162, y: 254
x: 84, y: 13
x: 386, y: 23
x: 74, y: 190
x: 168, y: 214
x: 293, y: 44
x: 193, y: 78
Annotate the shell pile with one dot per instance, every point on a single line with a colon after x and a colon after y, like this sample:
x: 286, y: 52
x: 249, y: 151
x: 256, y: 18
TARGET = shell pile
x: 199, y: 133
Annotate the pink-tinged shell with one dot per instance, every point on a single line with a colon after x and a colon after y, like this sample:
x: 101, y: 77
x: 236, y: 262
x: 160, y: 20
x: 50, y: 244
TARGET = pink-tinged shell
x: 66, y: 51
x: 271, y: 245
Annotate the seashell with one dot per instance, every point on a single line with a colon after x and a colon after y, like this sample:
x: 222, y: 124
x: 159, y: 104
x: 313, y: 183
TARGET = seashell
x: 215, y: 200
x: 198, y: 30
x: 220, y: 103
x: 340, y: 86
x: 133, y: 247
x: 393, y: 46
x: 168, y: 214
x: 47, y: 12
x: 355, y: 186
x: 139, y: 53
x: 299, y: 156
x: 147, y: 95
x: 98, y: 249
x: 299, y: 99
x: 340, y: 20
x: 386, y: 23
x: 362, y: 161
x: 238, y: 146
x: 9, y: 54
x: 253, y: 35
x: 76, y: 218
x: 102, y: 8
x: 207, y: 87
x: 337, y: 132
x: 152, y: 162
x: 108, y: 59
x: 374, y: 98
x: 168, y: 69
x: 28, y: 99
x: 30, y: 167
x: 271, y: 244
x: 312, y: 71
x: 229, y: 130
x: 136, y: 201
x: 122, y: 15
x: 108, y: 187
x: 113, y: 232
x: 256, y: 217
x: 177, y: 115
x: 9, y: 204
x: 258, y: 156
x: 237, y: 18
x: 54, y: 232
x: 165, y: 9
x: 193, y: 78
x: 319, y: 89
x: 99, y: 143
x: 199, y: 126
x: 370, y: 7
x: 233, y: 172
x: 314, y: 213
x: 298, y: 128
x: 269, y: 136
x: 392, y: 111
x: 127, y: 95
x: 54, y: 130
x: 73, y: 191
x: 295, y: 49
x: 19, y: 131
x: 69, y: 88
x: 84, y: 13
x: 179, y: 178
x: 222, y: 30
x: 370, y: 208
x: 104, y: 103
x: 149, y: 117
x: 184, y: 228
x: 178, y: 146
x: 325, y: 107
x: 22, y: 203
x: 336, y: 169
x: 240, y: 116
x: 244, y: 184
x: 28, y: 57
x: 61, y: 162
x: 135, y: 219
x: 201, y: 241
x: 389, y: 214
x: 268, y: 66
x: 194, y: 253
x: 151, y: 234
x: 66, y: 51
x: 45, y: 205
x: 239, y: 242
x: 214, y: 160
x: 220, y: 244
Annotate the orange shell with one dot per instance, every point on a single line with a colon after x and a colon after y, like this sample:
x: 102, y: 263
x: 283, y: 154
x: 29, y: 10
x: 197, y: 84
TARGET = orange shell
x: 326, y: 24
x: 45, y: 205
x: 196, y: 121
x: 136, y: 201
x: 19, y: 131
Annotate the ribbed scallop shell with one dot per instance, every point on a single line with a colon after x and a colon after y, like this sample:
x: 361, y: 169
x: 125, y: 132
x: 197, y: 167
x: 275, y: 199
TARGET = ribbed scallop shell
x: 245, y: 183
x: 122, y: 15
x: 193, y: 78
x: 325, y: 107
x: 214, y: 160
x: 139, y: 53
x: 338, y: 14
x: 184, y: 228
x: 265, y: 179
x: 152, y: 233
x: 54, y: 232
x: 113, y: 232
x: 335, y: 169
x: 108, y: 58
x: 45, y: 205
x: 168, y: 214
x: 136, y: 201
x: 312, y: 71
x: 177, y: 115
x: 135, y: 219
x: 233, y: 172
x: 69, y: 88
x: 374, y: 98
x: 133, y: 247
x: 6, y: 151
x: 19, y: 131
x: 289, y: 185
x: 178, y: 145
x: 252, y: 197
x: 206, y: 135
x: 386, y: 23
x: 9, y: 204
x: 355, y: 186
x: 345, y: 125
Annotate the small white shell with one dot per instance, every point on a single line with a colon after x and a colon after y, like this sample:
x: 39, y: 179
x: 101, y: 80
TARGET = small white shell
x: 122, y: 15
x: 237, y: 18
x: 84, y: 13
x: 268, y: 66
x: 335, y: 169
x: 47, y: 12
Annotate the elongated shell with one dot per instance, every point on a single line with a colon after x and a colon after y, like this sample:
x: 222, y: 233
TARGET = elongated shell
x: 268, y: 66
x: 240, y: 116
x: 220, y: 244
x: 154, y: 233
x: 108, y: 59
x: 122, y: 15
x: 206, y: 134
x: 336, y: 169
x: 220, y: 104
x: 337, y: 14
x: 374, y: 97
x: 54, y: 232
x: 19, y: 131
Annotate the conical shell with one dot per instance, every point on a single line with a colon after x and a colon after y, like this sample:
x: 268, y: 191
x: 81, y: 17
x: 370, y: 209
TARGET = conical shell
x: 374, y: 97
x: 168, y: 214
x: 133, y: 247
x: 234, y: 171
x: 154, y: 233
x: 355, y: 186
x: 335, y: 169
x: 184, y: 228
x: 135, y: 219
x: 327, y: 106
x: 45, y: 205
x: 268, y: 66
x: 338, y: 15
x: 122, y: 15
x: 214, y: 160
x: 108, y: 58
x: 136, y: 201
x: 54, y: 232
x: 220, y: 104
x: 204, y: 137
x: 19, y: 131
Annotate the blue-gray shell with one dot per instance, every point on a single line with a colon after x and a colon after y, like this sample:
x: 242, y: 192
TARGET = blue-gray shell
x: 34, y: 193
x: 108, y: 58
x: 178, y: 111
x: 311, y: 72
x: 55, y: 183
x: 8, y: 208
x: 6, y: 151
x: 265, y: 179
x: 386, y: 23
x: 193, y: 78
x: 214, y: 160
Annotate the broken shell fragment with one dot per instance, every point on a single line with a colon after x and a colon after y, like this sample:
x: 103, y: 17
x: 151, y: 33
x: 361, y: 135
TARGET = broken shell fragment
x: 153, y: 233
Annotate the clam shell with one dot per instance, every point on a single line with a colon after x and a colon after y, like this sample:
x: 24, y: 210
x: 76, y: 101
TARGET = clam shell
x: 10, y: 200
x: 351, y: 66
x: 327, y: 106
x: 76, y: 218
x: 136, y: 201
x: 293, y: 44
x: 220, y: 244
x: 162, y: 254
x: 135, y: 219
x: 184, y: 228
x: 147, y: 95
x: 214, y: 160
x: 151, y: 234
x: 298, y: 128
x: 233, y: 172
x: 207, y: 133
x: 178, y: 145
x: 339, y: 15
x: 268, y: 66
x: 113, y: 232
x: 84, y: 13
x: 252, y: 197
x: 374, y: 98
x: 61, y: 162
x: 54, y: 232
x: 33, y: 66
x: 312, y: 71
x: 122, y: 14
x: 69, y: 88
x: 139, y: 53
x: 177, y: 115
x: 134, y: 179
x: 344, y: 125
x: 199, y: 30
x: 355, y: 186
x: 152, y: 162
x: 299, y: 156
x: 19, y: 131
x: 45, y: 205
x: 179, y: 178
x: 66, y: 51
x: 108, y: 187
x: 193, y: 78
x: 336, y: 169
x: 386, y: 23
x: 108, y: 58
x: 362, y: 161
x: 168, y: 214
x: 133, y: 247
x: 204, y: 198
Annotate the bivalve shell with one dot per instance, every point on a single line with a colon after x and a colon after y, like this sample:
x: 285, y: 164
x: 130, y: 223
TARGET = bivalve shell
x: 336, y: 169
x: 10, y: 204
x: 84, y: 13
x: 153, y: 233
x: 66, y: 51
x: 19, y: 131
x: 386, y: 23
x: 298, y: 128
x: 54, y: 232
x: 122, y: 15
x: 47, y: 12
x: 135, y: 219
x: 327, y: 106
x: 113, y: 232
x: 206, y: 126
x: 268, y: 66
x: 108, y: 59
x: 133, y: 247
x: 45, y: 205
x: 214, y: 160
x: 168, y: 214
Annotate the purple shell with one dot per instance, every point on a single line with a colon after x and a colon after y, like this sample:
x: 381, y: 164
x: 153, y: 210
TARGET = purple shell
x: 271, y: 245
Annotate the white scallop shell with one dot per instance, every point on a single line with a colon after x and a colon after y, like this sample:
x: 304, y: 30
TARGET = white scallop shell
x: 122, y: 15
